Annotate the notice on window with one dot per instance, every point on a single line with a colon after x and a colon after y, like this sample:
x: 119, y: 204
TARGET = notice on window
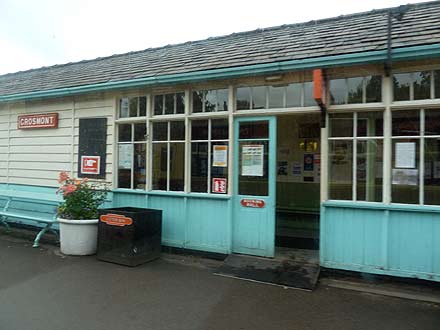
x: 220, y: 156
x: 405, y: 177
x: 252, y: 157
x: 125, y: 156
x: 405, y: 155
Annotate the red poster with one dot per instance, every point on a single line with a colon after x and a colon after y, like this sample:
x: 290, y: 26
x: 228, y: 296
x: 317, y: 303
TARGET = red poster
x: 90, y: 164
x: 219, y: 185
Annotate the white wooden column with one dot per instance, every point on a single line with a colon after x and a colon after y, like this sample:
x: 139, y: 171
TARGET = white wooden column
x: 387, y: 92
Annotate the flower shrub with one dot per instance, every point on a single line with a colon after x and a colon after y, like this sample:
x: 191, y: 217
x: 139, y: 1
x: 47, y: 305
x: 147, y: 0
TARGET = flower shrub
x: 81, y: 198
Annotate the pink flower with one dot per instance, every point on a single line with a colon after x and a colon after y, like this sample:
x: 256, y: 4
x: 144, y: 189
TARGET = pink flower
x: 63, y: 177
x: 68, y: 189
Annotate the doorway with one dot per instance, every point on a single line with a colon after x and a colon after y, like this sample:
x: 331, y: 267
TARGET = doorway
x: 298, y: 181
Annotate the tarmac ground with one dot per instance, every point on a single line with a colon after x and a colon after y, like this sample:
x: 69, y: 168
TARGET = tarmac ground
x: 40, y: 289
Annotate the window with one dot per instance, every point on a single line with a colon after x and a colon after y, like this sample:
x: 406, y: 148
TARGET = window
x: 355, y: 156
x: 169, y: 104
x: 356, y: 90
x: 132, y: 156
x: 133, y: 107
x: 209, y: 155
x: 210, y: 100
x: 416, y: 85
x: 168, y: 156
x: 275, y: 97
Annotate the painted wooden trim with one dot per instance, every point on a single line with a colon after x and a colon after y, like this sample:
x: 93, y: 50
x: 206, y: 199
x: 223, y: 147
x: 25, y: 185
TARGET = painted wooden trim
x: 382, y: 206
x: 399, y: 54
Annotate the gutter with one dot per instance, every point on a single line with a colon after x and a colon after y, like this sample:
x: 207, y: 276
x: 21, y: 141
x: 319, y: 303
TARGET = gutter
x: 399, y: 54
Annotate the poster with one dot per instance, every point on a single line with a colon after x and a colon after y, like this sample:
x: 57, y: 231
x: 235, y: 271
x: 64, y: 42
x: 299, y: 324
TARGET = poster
x: 296, y: 168
x: 308, y: 162
x: 125, y: 156
x: 407, y: 177
x: 220, y: 156
x: 282, y: 168
x: 405, y: 154
x: 252, y: 157
x: 219, y: 185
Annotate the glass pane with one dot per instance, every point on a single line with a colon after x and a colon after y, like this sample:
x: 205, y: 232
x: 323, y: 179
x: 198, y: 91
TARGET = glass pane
x: 422, y: 85
x: 309, y: 101
x: 197, y: 101
x: 254, y: 130
x: 158, y: 104
x: 124, y: 133
x: 405, y: 171
x: 401, y: 82
x: 160, y: 131
x: 405, y: 123
x: 169, y: 104
x: 338, y: 91
x: 125, y: 159
x: 140, y: 132
x: 210, y: 101
x: 133, y: 107
x: 259, y: 97
x: 159, y: 166
x: 432, y: 171
x: 341, y: 125
x: 370, y: 123
x: 340, y: 170
x: 199, y: 130
x: 218, y: 172
x: 177, y: 130
x: 199, y: 167
x: 219, y: 129
x: 437, y: 84
x: 369, y: 170
x: 222, y: 99
x: 253, y: 178
x: 276, y: 96
x: 142, y: 106
x: 293, y: 95
x: 123, y: 108
x: 180, y: 103
x: 432, y: 122
x: 140, y: 176
x: 355, y: 89
x: 243, y: 98
x: 177, y: 166
x: 373, y: 88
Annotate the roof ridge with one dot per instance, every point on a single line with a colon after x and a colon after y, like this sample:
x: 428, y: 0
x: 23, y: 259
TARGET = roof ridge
x: 243, y: 33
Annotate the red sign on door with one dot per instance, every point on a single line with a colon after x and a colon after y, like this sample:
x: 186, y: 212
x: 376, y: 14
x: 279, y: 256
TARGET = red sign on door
x: 90, y: 164
x: 257, y: 203
x: 45, y: 120
x: 219, y: 185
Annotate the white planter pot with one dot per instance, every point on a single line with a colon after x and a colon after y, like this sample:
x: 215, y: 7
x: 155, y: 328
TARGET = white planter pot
x: 78, y: 237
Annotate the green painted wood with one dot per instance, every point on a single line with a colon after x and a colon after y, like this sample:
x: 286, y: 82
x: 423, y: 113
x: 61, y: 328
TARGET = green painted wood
x: 399, y: 54
x: 253, y: 229
x: 396, y: 240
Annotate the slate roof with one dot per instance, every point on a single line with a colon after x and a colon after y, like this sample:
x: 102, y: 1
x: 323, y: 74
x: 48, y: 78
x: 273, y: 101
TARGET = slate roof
x: 334, y: 36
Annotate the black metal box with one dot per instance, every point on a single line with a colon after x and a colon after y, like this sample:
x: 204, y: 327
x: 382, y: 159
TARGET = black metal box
x: 129, y: 235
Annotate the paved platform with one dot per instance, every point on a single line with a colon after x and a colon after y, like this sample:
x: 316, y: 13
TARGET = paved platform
x: 43, y: 290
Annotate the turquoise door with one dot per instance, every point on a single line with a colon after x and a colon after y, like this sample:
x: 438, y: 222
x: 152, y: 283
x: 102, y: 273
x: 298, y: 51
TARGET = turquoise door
x: 253, y: 230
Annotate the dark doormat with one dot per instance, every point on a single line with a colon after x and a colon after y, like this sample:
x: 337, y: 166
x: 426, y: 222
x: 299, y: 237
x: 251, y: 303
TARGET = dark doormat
x: 279, y: 271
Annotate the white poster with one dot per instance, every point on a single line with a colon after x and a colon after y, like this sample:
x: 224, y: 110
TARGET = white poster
x: 405, y: 154
x: 220, y: 156
x: 252, y: 157
x: 125, y: 156
x: 405, y: 177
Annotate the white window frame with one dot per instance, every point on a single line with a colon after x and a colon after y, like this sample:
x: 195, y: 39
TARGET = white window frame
x: 164, y: 104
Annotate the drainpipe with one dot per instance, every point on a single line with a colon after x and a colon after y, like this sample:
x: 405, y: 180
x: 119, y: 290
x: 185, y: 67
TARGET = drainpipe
x: 397, y: 14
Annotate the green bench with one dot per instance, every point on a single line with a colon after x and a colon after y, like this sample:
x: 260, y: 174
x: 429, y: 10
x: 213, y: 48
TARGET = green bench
x: 30, y: 206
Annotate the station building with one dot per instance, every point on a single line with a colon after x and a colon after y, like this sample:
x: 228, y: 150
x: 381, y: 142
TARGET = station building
x: 324, y: 135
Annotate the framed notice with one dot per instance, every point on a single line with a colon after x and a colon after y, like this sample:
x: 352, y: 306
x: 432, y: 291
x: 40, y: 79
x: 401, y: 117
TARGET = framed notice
x: 405, y: 154
x: 252, y: 160
x: 220, y: 156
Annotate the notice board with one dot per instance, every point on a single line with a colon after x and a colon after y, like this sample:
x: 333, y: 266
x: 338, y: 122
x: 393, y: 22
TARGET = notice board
x: 92, y: 144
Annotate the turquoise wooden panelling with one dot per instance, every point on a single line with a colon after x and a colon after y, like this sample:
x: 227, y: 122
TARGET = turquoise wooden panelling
x: 376, y: 238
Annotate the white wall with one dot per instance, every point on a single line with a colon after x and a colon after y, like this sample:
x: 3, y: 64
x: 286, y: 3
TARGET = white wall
x: 36, y: 156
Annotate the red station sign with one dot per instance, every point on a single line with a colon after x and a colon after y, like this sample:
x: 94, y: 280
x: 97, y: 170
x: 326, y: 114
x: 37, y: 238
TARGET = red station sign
x: 45, y: 120
x: 257, y: 203
x: 116, y: 220
x: 90, y: 164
